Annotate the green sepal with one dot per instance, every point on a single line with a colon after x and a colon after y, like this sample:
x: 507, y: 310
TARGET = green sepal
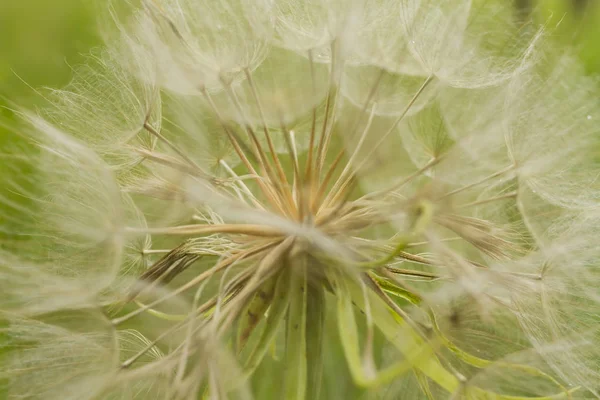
x: 315, y: 331
x: 295, y: 345
x: 254, y: 312
x: 276, y: 314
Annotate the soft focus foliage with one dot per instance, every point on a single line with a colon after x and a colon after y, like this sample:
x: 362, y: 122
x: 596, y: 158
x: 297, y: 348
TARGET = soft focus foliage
x: 306, y: 199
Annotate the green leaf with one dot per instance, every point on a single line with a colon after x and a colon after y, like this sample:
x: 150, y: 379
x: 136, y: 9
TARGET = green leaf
x: 482, y: 363
x: 475, y: 393
x: 424, y: 384
x: 401, y: 335
x: 397, y: 291
x: 363, y: 376
x: 466, y: 357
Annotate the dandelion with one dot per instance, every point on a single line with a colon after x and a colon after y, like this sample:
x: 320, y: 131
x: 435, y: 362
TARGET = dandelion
x: 307, y: 199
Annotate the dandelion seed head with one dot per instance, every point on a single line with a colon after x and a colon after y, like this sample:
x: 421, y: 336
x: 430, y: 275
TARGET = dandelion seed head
x: 254, y: 172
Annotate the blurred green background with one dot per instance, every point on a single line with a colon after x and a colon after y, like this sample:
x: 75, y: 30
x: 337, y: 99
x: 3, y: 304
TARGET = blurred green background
x: 39, y: 42
x: 41, y: 39
x: 38, y: 39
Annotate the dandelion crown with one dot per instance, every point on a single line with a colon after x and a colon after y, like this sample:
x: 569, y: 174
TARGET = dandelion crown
x: 304, y: 199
